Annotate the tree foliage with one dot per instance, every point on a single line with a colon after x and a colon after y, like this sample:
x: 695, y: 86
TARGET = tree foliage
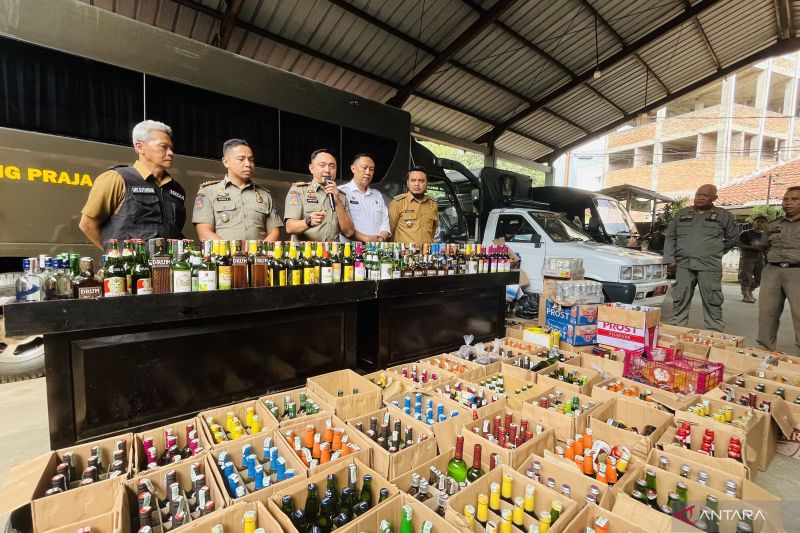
x: 765, y: 210
x: 474, y: 160
x: 669, y: 210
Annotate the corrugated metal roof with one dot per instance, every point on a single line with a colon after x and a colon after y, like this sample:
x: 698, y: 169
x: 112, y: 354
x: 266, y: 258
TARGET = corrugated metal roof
x: 534, y: 54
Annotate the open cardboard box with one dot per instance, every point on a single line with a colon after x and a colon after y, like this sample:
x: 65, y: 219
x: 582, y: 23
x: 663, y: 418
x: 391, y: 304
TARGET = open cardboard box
x: 565, y: 425
x: 350, y: 405
x: 179, y: 429
x: 634, y: 414
x: 670, y: 400
x: 232, y: 519
x: 361, y: 447
x: 543, y: 498
x: 234, y: 450
x: 718, y: 471
x: 445, y: 431
x: 586, y: 517
x: 721, y: 438
x: 516, y: 326
x: 565, y: 472
x: 545, y: 440
x: 676, y: 331
x: 495, y: 401
x: 218, y: 415
x: 341, y: 470
x: 392, y: 511
x: 279, y: 399
x: 391, y: 383
x: 458, y: 366
x: 422, y: 374
x: 101, y: 505
x: 739, y: 362
x: 514, y: 379
x: 391, y: 465
x: 783, y: 376
x: 183, y: 471
x: 543, y: 378
x: 403, y: 481
x: 770, y: 386
x: 607, y: 368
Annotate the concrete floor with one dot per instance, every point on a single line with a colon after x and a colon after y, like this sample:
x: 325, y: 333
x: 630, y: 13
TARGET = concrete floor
x: 23, y: 419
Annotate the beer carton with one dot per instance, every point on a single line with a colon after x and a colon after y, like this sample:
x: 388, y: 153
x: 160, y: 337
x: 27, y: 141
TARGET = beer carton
x: 545, y: 380
x: 493, y: 401
x: 218, y: 424
x: 627, y: 326
x: 572, y: 315
x: 158, y: 437
x: 102, y: 506
x: 587, y: 517
x: 354, y: 444
x: 393, y: 512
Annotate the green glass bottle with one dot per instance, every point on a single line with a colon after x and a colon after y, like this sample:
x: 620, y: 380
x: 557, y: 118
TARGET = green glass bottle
x: 207, y: 271
x: 475, y: 471
x: 366, y: 490
x: 311, y: 508
x: 331, y: 485
x: 141, y: 277
x: 457, y: 468
x: 407, y: 521
x: 287, y: 505
x: 114, y: 278
x: 325, y: 518
x: 386, y: 263
x: 181, y: 269
x: 309, y: 266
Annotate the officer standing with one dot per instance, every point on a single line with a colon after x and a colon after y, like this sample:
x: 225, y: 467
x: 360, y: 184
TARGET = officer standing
x: 780, y: 280
x: 308, y: 213
x: 138, y: 201
x: 369, y: 212
x: 751, y: 258
x: 235, y: 208
x: 695, y: 241
x: 414, y: 216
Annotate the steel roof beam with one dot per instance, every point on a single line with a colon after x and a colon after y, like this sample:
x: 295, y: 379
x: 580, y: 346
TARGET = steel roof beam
x: 606, y: 98
x: 783, y: 14
x: 228, y: 23
x: 445, y: 55
x: 627, y: 51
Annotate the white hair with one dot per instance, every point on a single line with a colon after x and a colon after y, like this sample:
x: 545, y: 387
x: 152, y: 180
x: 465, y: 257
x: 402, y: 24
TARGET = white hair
x: 143, y: 130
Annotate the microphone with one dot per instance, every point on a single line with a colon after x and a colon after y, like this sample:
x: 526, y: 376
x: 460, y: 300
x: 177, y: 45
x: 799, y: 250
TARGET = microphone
x: 331, y: 199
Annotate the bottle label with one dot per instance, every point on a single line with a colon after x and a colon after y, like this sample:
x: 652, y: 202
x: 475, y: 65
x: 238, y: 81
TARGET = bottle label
x: 260, y: 260
x: 206, y: 280
x: 239, y: 260
x: 386, y: 271
x: 114, y: 287
x: 309, y: 273
x: 360, y: 273
x: 326, y: 275
x: 89, y: 292
x: 337, y: 272
x: 396, y: 273
x: 472, y: 267
x: 144, y: 286
x: 128, y: 283
x: 195, y: 283
x: 297, y: 277
x: 182, y: 281
x: 348, y: 273
x: 224, y: 280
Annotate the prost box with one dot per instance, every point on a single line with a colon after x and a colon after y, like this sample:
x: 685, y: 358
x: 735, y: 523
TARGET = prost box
x: 633, y: 415
x: 234, y: 451
x: 627, y: 326
x: 545, y: 440
x: 565, y: 472
x: 671, y: 400
x: 575, y: 336
x: 232, y: 519
x: 586, y: 518
x: 446, y: 430
x: 572, y: 315
x: 392, y: 510
x: 219, y: 415
x: 181, y: 431
x: 279, y: 400
x: 350, y: 404
x: 104, y: 506
x: 566, y: 426
x: 545, y: 379
x: 341, y: 471
x: 360, y: 446
x: 391, y: 465
x: 543, y: 498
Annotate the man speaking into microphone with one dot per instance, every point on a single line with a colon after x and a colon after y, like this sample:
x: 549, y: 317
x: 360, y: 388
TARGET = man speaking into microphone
x: 317, y: 210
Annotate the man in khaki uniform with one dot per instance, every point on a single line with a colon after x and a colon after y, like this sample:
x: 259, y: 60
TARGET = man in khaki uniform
x: 780, y: 279
x: 308, y: 213
x: 235, y: 207
x: 414, y: 216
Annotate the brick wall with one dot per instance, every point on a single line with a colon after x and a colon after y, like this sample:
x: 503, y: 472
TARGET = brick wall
x: 639, y: 176
x: 678, y: 175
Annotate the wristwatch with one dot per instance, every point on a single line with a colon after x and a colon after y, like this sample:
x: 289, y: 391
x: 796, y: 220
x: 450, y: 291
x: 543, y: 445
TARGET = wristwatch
x: 308, y: 221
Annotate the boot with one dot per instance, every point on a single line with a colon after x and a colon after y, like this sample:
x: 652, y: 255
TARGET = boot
x: 751, y: 295
x: 747, y: 297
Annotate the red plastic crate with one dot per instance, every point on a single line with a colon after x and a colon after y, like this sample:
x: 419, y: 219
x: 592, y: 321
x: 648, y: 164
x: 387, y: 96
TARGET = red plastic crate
x: 677, y: 373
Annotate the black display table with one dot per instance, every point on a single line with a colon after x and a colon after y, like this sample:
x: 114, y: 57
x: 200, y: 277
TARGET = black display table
x: 129, y: 363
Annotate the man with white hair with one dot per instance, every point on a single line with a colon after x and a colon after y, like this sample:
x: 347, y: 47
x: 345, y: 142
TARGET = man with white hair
x: 141, y: 200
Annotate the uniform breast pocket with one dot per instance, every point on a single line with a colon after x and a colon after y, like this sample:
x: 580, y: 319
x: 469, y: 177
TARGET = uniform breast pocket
x: 712, y: 228
x: 178, y: 209
x: 225, y: 215
x: 148, y: 209
x: 684, y: 227
x: 408, y: 220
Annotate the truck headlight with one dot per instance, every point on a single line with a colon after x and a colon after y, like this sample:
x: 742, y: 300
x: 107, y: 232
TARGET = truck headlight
x: 625, y: 273
x: 638, y: 272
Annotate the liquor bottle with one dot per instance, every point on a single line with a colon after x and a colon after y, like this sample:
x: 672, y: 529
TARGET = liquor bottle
x: 420, y: 268
x: 386, y: 264
x: 324, y: 521
x: 506, y: 491
x: 506, y: 259
x: 86, y: 285
x: 457, y: 468
x: 160, y: 267
x: 127, y: 262
x: 472, y: 260
x: 461, y: 261
x: 442, y: 504
x: 239, y: 267
x: 482, y: 511
x: 259, y: 265
x: 294, y: 272
x: 63, y: 280
x: 325, y: 266
x: 359, y: 267
x: 114, y: 273
x: 348, y: 272
x: 309, y: 268
x: 336, y: 262
x: 494, y: 497
x: 475, y: 471
x: 181, y: 269
x: 224, y: 267
x: 451, y: 259
x: 441, y: 260
x: 141, y: 277
x: 312, y: 502
x: 207, y: 271
x: 422, y: 494
x: 195, y: 258
x: 430, y: 260
x: 529, y: 501
x: 372, y: 263
x: 49, y: 278
x: 366, y: 490
x: 406, y: 522
x: 277, y: 267
x: 408, y: 270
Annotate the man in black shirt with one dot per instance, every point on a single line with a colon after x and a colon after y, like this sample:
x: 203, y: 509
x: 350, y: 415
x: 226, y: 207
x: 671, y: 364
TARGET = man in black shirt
x: 657, y: 239
x: 751, y: 260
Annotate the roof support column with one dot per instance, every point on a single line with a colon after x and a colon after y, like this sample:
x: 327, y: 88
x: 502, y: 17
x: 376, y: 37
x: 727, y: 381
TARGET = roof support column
x: 658, y: 148
x: 792, y: 111
x: 724, y: 128
x: 490, y: 157
x: 763, y: 92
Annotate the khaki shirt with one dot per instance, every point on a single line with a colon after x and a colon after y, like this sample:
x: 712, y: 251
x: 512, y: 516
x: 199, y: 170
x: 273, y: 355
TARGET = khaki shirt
x: 108, y: 191
x: 235, y: 213
x: 306, y: 198
x: 783, y: 237
x: 412, y: 220
x: 697, y: 239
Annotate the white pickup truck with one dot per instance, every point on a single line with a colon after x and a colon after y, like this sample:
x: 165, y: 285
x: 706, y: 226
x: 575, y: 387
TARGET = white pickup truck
x: 628, y: 276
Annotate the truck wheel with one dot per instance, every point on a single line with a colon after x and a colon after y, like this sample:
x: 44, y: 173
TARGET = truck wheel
x: 21, y: 358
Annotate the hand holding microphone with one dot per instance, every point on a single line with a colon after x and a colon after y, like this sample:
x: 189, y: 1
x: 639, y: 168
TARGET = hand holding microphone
x: 331, y: 190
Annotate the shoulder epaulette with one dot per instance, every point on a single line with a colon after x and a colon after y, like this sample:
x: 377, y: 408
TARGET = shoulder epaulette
x: 300, y: 184
x: 209, y: 182
x: 399, y: 196
x: 262, y: 188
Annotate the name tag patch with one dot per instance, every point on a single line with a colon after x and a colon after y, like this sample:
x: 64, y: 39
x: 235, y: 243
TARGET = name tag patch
x: 143, y: 190
x: 223, y: 198
x: 178, y: 195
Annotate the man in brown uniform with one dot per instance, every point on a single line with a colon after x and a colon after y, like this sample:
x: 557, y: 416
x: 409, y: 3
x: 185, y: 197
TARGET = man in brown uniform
x: 308, y: 213
x: 780, y: 279
x: 414, y: 216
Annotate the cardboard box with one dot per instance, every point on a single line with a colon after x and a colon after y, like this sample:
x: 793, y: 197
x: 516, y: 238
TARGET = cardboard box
x: 327, y: 387
x: 403, y: 481
x: 628, y: 326
x: 519, y: 384
x: 341, y: 469
x: 519, y: 347
x: 234, y: 451
x: 103, y: 504
x: 360, y: 446
x: 739, y: 363
x: 576, y: 335
x: 393, y: 512
x: 634, y: 415
x: 607, y: 368
x: 565, y: 426
x: 516, y: 326
x: 279, y: 400
x: 391, y: 465
x: 585, y: 520
x: 512, y: 457
x: 565, y: 472
x: 676, y: 331
x: 784, y: 376
x: 183, y: 471
x: 232, y: 518
x: 158, y: 435
x: 466, y: 391
x: 540, y: 334
x: 670, y: 400
x: 423, y: 374
x: 543, y: 378
x: 543, y: 499
x: 573, y: 315
x: 456, y: 365
x: 219, y: 416
x: 445, y: 431
x: 391, y: 383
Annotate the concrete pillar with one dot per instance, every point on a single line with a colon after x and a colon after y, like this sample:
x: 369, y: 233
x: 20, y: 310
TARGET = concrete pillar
x: 724, y: 127
x: 792, y: 110
x: 658, y: 148
x: 762, y: 98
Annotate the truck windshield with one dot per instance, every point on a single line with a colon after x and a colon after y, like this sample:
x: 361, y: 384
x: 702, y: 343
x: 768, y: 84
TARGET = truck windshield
x: 558, y: 228
x: 615, y: 219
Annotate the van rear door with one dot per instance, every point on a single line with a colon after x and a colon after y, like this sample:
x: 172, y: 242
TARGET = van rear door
x: 521, y: 236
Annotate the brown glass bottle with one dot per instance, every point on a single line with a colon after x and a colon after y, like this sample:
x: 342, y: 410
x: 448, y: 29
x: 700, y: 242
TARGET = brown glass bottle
x: 87, y: 286
x: 259, y: 265
x: 239, y: 267
x: 160, y: 263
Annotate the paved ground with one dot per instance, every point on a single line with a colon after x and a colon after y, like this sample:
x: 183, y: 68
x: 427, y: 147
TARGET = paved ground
x: 23, y: 419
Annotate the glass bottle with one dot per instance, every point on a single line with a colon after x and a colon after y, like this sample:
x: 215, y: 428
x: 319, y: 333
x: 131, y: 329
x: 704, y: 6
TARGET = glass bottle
x: 141, y: 276
x: 114, y: 279
x: 359, y: 267
x: 325, y: 266
x: 494, y: 497
x: 461, y: 261
x: 336, y: 262
x: 366, y: 490
x: 181, y: 269
x: 385, y: 264
x: 309, y: 267
x: 442, y: 504
x: 457, y: 468
x: 207, y: 271
x: 195, y: 259
x: 239, y: 267
x: 259, y: 265
x: 422, y: 494
x: 49, y: 279
x: 472, y: 261
x: 224, y: 267
x: 506, y: 492
x: 430, y: 260
x: 475, y: 471
x: 86, y: 285
x: 397, y: 261
x: 312, y: 503
x: 482, y: 512
x: 160, y: 265
x: 348, y: 273
x: 407, y: 270
x: 406, y: 521
x: 127, y: 262
x: 294, y: 273
x: 277, y: 267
